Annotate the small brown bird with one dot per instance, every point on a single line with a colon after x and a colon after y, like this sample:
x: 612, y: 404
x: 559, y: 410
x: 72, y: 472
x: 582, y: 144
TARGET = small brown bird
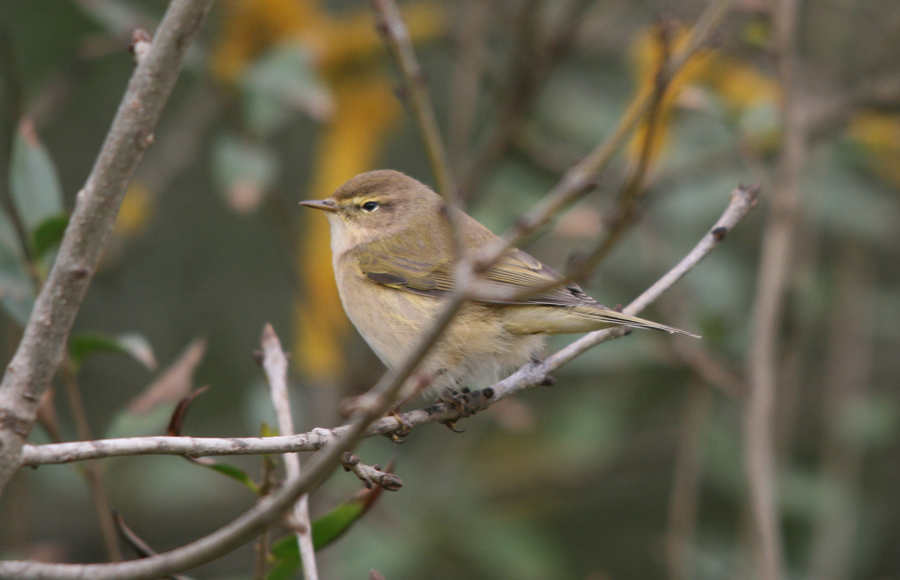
x: 393, y: 260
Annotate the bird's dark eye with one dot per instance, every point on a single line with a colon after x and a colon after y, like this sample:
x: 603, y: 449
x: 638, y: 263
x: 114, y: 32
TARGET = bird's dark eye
x: 369, y: 206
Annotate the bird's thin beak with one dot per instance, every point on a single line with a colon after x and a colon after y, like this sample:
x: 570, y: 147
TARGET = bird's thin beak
x: 323, y: 204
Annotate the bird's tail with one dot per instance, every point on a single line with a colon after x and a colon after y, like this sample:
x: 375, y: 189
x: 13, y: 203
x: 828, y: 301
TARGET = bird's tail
x: 619, y: 318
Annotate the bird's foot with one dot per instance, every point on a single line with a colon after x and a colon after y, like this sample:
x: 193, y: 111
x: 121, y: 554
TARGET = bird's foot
x: 401, y: 433
x: 451, y: 424
x: 465, y: 402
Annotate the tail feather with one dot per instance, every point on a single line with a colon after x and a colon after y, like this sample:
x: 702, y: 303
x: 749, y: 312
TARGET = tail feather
x: 614, y: 317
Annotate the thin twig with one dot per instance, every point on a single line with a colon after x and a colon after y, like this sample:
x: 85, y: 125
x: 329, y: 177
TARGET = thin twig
x: 396, y: 36
x: 371, y: 474
x: 709, y: 367
x: 275, y: 365
x: 851, y: 348
x: 471, y: 37
x: 93, y: 472
x: 43, y: 343
x: 137, y: 543
x: 742, y: 202
x: 623, y: 215
x: 685, y: 498
x: 372, y: 406
x: 775, y: 264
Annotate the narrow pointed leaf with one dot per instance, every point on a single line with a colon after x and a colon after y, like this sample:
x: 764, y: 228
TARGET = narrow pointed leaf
x: 33, y: 181
x: 235, y: 473
x: 134, y: 345
x: 16, y: 288
x: 325, y: 530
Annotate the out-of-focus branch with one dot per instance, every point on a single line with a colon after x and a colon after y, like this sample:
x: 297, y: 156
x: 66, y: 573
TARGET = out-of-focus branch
x: 851, y: 350
x: 685, y: 498
x: 471, y: 36
x: 93, y: 473
x: 830, y: 113
x: 43, y: 344
x: 624, y: 213
x: 775, y: 263
x: 275, y: 365
x: 742, y: 202
x: 396, y: 36
x: 709, y: 367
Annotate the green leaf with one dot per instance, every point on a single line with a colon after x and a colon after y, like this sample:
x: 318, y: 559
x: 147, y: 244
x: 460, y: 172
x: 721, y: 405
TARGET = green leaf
x: 127, y: 423
x: 286, y: 558
x: 235, y: 473
x: 325, y: 530
x: 49, y: 233
x: 33, y: 181
x: 134, y: 345
x: 16, y: 288
x: 282, y: 82
x: 335, y: 523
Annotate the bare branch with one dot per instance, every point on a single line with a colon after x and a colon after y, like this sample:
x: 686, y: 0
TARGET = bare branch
x: 275, y: 364
x: 471, y: 38
x: 396, y: 36
x: 775, y: 264
x: 371, y: 475
x: 685, y: 496
x: 43, y: 343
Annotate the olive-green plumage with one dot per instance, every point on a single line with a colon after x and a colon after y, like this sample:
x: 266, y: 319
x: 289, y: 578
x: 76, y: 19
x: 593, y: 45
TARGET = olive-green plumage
x: 394, y: 262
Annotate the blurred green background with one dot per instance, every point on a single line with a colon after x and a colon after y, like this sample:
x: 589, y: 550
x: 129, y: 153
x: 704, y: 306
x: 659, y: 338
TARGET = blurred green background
x: 632, y: 465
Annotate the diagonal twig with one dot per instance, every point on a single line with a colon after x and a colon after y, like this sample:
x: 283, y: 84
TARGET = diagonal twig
x: 275, y: 364
x: 396, y: 37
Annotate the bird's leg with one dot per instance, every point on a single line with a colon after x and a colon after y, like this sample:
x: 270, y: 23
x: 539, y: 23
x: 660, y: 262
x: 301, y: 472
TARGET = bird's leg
x: 415, y: 386
x: 464, y: 402
x: 401, y: 433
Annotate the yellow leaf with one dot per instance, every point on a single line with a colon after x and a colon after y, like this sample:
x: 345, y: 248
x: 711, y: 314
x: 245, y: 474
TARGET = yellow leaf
x: 365, y: 110
x: 248, y: 27
x: 135, y: 212
x: 879, y: 134
x: 649, y: 53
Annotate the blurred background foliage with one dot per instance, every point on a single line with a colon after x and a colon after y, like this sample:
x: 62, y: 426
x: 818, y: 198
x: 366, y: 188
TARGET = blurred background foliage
x: 632, y: 466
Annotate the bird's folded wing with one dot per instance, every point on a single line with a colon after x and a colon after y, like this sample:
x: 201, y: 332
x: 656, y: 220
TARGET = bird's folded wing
x: 512, y: 274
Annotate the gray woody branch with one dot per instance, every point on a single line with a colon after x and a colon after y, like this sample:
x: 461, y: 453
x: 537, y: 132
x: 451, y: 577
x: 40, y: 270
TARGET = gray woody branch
x: 743, y: 199
x: 42, y: 347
